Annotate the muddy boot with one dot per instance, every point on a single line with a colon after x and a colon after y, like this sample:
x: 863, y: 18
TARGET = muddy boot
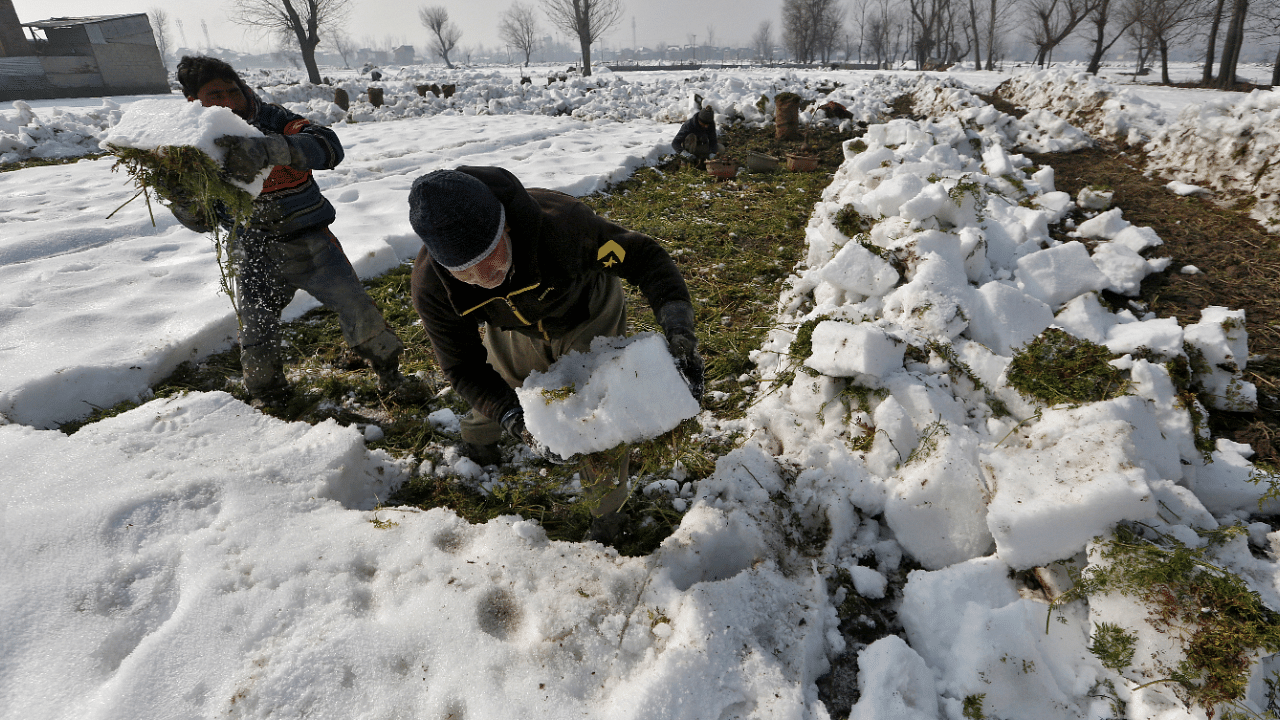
x: 264, y: 376
x: 389, y: 378
x: 607, y: 528
x: 482, y: 455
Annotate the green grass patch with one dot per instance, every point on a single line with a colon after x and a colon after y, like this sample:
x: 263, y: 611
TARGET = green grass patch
x: 1057, y: 367
x: 1219, y: 622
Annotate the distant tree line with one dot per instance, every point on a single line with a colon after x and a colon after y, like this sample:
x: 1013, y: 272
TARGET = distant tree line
x: 941, y: 33
x: 932, y: 33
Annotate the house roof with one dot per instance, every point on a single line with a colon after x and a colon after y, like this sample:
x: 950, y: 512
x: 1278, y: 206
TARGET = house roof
x: 65, y: 22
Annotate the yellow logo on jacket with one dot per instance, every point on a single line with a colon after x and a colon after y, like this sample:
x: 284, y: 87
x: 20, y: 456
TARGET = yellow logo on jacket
x: 611, y: 253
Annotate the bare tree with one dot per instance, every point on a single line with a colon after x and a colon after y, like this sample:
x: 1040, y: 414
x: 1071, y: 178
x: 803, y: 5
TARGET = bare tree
x: 1215, y: 23
x: 519, y: 29
x: 883, y: 31
x: 1268, y: 14
x: 974, y: 24
x: 1052, y: 21
x: 1167, y: 23
x: 587, y: 20
x: 1126, y: 12
x: 762, y: 41
x: 1142, y: 46
x: 1232, y: 44
x: 811, y: 28
x: 302, y: 20
x: 939, y: 30
x: 159, y: 18
x: 446, y: 34
x: 343, y: 45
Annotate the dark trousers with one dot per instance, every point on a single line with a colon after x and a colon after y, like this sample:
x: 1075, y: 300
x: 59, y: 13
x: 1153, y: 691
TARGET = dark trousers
x: 269, y: 272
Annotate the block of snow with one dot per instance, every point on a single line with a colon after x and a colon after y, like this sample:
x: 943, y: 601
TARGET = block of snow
x: 868, y: 582
x: 1019, y: 668
x: 1186, y: 189
x: 894, y: 682
x: 842, y: 349
x: 1124, y: 269
x: 624, y: 390
x: 891, y: 194
x: 1162, y: 336
x: 937, y: 506
x: 1222, y: 339
x: 1085, y: 318
x: 1060, y: 273
x: 995, y: 161
x: 931, y: 602
x: 1006, y: 318
x: 1225, y: 485
x: 153, y: 124
x: 1106, y: 225
x: 856, y: 269
x: 1091, y: 199
x: 1072, y: 480
x: 1137, y: 238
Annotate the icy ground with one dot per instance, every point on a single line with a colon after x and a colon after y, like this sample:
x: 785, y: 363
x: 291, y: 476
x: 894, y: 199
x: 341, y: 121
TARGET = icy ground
x: 194, y: 558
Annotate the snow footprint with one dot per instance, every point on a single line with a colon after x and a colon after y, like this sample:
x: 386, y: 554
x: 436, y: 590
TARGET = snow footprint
x: 349, y: 195
x: 498, y: 613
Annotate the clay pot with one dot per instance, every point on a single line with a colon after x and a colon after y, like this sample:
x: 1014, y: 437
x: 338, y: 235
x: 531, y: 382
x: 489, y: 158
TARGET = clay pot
x: 801, y: 163
x: 723, y: 169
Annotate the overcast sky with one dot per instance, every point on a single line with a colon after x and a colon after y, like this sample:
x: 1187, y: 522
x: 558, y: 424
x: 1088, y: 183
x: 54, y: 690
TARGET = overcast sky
x: 386, y: 23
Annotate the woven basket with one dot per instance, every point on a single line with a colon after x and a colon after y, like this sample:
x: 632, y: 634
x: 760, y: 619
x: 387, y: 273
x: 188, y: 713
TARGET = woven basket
x: 759, y: 162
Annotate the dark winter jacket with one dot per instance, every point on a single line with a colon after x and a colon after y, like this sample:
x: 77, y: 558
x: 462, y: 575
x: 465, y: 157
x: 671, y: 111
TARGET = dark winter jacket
x: 706, y: 134
x: 560, y: 249
x: 290, y: 201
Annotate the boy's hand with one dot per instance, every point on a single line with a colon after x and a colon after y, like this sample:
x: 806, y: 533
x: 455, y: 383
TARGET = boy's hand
x: 248, y: 156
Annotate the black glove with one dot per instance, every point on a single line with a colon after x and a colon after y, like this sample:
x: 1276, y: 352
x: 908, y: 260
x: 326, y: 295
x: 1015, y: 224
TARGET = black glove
x: 513, y: 422
x: 677, y: 325
x: 248, y: 156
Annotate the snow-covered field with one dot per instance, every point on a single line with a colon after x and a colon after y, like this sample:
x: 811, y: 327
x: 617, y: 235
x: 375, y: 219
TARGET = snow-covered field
x: 194, y: 558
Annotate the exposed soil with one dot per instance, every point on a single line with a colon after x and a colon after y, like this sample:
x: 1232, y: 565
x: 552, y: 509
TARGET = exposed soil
x: 1239, y: 267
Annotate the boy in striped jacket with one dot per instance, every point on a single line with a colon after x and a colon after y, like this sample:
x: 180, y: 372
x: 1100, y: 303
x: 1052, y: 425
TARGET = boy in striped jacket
x: 287, y: 245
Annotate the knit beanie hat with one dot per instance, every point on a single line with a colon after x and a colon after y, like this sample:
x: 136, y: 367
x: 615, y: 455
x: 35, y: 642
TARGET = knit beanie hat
x: 707, y: 114
x: 458, y: 217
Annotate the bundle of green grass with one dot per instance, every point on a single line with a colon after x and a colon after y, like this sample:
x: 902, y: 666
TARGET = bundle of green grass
x: 167, y: 148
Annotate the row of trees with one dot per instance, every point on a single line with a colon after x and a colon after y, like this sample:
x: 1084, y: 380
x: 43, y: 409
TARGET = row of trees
x: 939, y: 33
x: 934, y: 33
x: 305, y: 23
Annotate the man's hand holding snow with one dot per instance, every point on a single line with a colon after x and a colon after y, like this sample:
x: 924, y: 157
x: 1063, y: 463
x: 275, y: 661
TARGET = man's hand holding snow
x: 248, y: 156
x: 513, y: 423
x: 677, y: 325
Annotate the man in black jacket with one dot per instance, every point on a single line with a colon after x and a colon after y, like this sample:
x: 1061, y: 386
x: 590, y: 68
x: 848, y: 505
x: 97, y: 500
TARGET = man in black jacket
x: 697, y: 135
x: 287, y: 245
x: 539, y: 271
